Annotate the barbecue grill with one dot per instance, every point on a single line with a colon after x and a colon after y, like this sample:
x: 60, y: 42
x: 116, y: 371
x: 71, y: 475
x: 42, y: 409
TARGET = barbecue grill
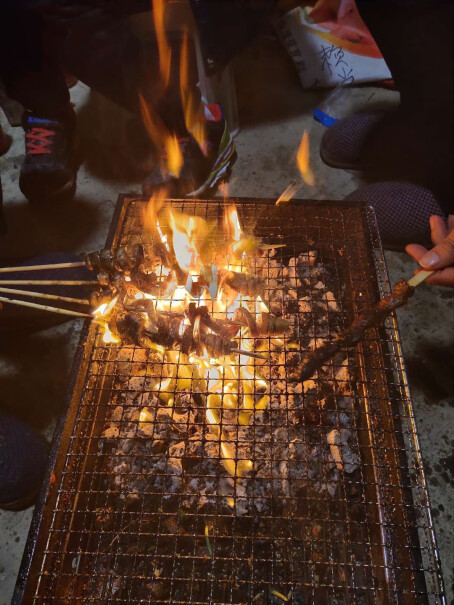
x: 135, y: 508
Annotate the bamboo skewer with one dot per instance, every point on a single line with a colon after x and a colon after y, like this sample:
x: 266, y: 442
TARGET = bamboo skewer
x: 39, y: 267
x: 23, y: 303
x: 419, y: 278
x: 289, y: 192
x: 46, y: 282
x: 248, y: 353
x: 77, y: 301
x: 272, y: 246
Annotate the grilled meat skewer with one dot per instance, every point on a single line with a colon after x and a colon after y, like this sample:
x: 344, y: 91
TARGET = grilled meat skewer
x: 269, y: 325
x: 248, y: 285
x: 121, y: 260
x: 368, y: 318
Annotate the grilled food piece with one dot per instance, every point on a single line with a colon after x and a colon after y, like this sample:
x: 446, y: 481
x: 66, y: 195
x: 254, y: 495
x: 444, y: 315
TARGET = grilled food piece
x: 245, y: 317
x: 270, y: 325
x: 122, y: 259
x: 368, y: 318
x: 248, y: 285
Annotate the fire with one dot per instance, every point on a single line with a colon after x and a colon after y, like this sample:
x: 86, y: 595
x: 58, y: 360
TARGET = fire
x: 193, y: 112
x: 232, y: 223
x: 192, y: 257
x: 173, y: 155
x: 302, y: 160
x: 183, y: 242
x: 164, y: 50
x: 165, y: 142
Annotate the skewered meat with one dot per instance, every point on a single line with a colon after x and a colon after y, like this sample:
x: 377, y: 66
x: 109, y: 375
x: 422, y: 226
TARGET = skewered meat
x: 368, y: 318
x: 140, y: 324
x: 122, y: 259
x: 248, y: 285
x: 245, y: 317
x: 270, y: 325
x: 100, y: 297
x: 217, y: 346
x: 222, y: 327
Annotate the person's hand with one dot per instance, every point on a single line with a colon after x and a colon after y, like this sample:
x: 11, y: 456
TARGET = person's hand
x: 441, y: 257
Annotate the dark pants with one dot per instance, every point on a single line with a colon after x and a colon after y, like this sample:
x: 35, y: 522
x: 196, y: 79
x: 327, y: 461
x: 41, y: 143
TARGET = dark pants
x: 97, y: 46
x: 416, y: 40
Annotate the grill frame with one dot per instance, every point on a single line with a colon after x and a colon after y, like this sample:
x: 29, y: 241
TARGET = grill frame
x: 387, y: 345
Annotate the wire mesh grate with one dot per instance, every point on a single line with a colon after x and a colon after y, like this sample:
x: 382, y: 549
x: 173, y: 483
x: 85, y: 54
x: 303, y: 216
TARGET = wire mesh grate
x: 146, y: 507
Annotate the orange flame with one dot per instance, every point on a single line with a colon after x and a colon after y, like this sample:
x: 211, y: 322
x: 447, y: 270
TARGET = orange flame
x: 183, y: 242
x: 162, y: 139
x: 193, y: 112
x: 232, y: 224
x: 164, y: 50
x: 302, y: 160
x: 174, y: 155
x: 150, y: 214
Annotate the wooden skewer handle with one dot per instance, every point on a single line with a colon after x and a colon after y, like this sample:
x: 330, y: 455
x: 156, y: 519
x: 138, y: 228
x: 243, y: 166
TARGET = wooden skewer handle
x: 419, y: 278
x: 39, y: 267
x: 45, y: 282
x: 23, y: 303
x: 77, y: 301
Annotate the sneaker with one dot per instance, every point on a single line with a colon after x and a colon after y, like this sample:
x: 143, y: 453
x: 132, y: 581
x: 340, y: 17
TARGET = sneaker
x: 48, y: 169
x: 201, y: 171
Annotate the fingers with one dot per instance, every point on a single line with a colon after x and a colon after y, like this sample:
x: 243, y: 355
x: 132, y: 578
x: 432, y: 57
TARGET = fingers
x: 438, y: 229
x: 442, y: 255
x: 445, y: 277
x: 416, y: 251
x: 450, y: 222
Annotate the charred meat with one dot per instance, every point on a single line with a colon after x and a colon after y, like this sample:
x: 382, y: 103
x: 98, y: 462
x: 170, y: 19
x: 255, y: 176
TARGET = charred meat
x: 368, y: 318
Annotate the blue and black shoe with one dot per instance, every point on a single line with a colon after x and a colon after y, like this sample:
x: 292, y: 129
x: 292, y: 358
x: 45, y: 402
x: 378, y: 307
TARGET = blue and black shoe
x: 48, y: 170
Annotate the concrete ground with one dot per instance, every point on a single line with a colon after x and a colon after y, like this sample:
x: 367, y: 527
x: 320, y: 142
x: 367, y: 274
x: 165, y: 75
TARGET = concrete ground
x: 274, y: 111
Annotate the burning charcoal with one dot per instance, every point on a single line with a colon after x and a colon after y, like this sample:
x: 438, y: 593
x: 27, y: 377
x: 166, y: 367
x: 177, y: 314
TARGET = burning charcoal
x: 272, y: 326
x: 104, y: 517
x: 248, y: 285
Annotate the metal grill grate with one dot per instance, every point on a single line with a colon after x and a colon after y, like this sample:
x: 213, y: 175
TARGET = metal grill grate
x: 139, y: 510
